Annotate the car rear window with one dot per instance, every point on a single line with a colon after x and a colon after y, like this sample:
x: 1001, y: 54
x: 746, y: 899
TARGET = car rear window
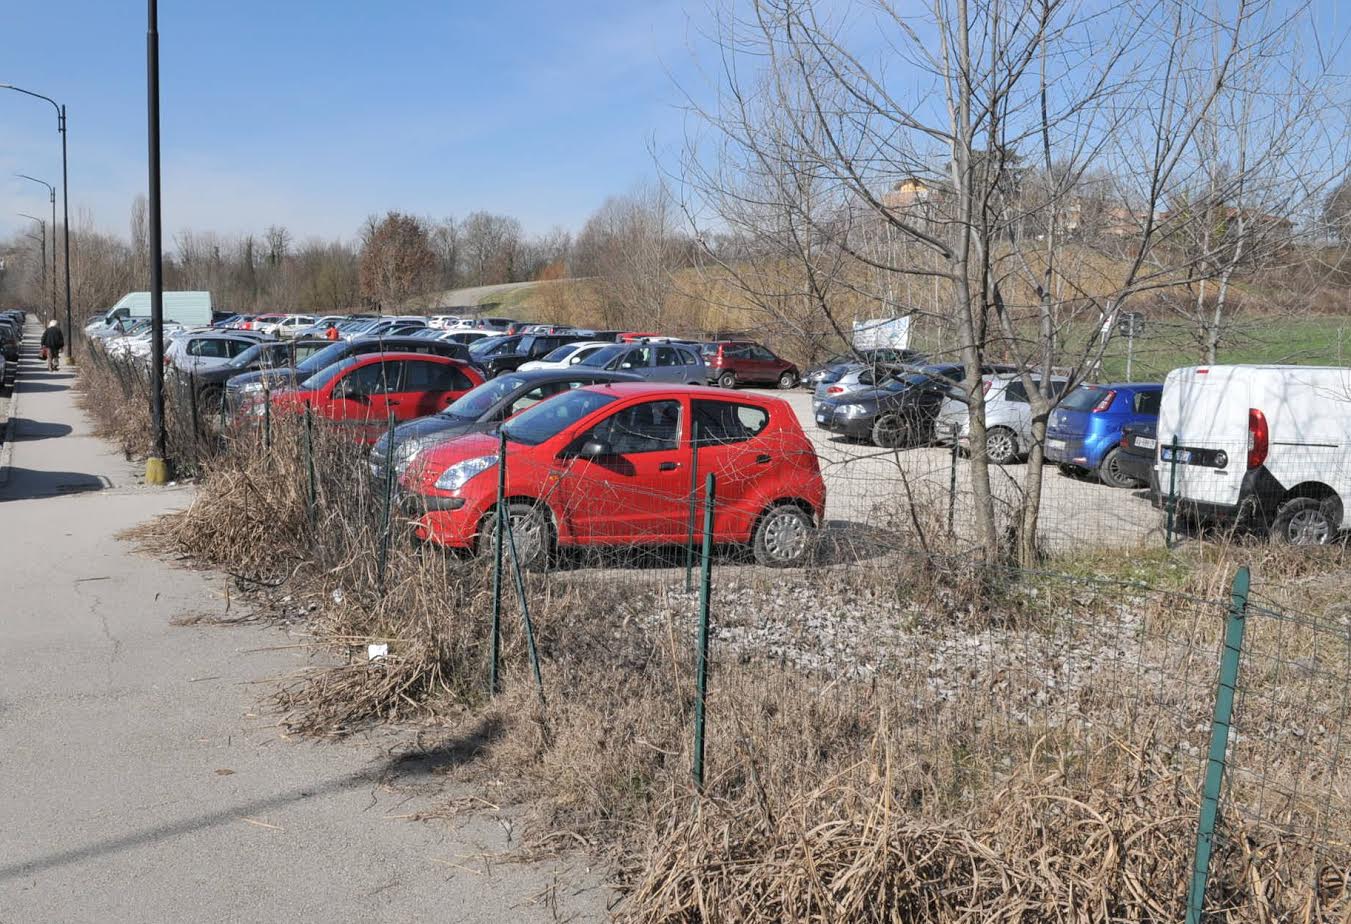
x: 720, y: 422
x: 1083, y: 398
x: 1147, y: 402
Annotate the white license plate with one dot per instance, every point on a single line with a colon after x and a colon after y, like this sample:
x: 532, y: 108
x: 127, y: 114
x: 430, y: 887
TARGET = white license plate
x: 1145, y: 442
x: 1183, y: 455
x: 823, y: 418
x: 1055, y: 444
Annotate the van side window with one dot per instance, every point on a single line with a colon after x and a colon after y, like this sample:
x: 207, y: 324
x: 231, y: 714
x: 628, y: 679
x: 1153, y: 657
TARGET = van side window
x: 1017, y: 392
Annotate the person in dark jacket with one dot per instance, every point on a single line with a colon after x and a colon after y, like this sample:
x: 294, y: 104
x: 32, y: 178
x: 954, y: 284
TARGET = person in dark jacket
x: 53, y: 342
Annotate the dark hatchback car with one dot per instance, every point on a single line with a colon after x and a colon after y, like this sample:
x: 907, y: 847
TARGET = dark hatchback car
x: 900, y: 411
x: 1139, y: 443
x: 245, y: 385
x: 744, y: 362
x: 480, y: 410
x: 831, y: 370
x: 270, y: 354
x: 525, y: 349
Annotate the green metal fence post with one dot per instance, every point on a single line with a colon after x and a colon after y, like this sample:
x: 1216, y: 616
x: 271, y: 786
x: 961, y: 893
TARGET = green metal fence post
x: 196, y: 417
x: 388, y: 510
x: 952, y: 483
x: 701, y: 669
x: 313, y: 496
x: 1219, y: 743
x: 267, y: 418
x: 1172, y: 494
x: 694, y: 506
x: 525, y: 605
x: 496, y: 656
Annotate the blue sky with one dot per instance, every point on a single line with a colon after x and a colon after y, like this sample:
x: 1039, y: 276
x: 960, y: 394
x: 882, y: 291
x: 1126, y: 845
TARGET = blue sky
x: 314, y: 114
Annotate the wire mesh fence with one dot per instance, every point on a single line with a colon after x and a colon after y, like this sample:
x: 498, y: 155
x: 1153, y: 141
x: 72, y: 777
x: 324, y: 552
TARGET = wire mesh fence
x: 637, y: 564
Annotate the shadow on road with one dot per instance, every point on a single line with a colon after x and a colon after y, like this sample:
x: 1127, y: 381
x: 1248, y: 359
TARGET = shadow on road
x: 25, y: 429
x: 27, y: 483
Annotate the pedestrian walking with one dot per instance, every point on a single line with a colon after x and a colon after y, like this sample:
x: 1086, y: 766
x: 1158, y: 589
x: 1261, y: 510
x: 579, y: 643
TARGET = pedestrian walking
x: 53, y: 342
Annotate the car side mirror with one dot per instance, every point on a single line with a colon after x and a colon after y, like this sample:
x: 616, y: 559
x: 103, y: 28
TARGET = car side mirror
x: 594, y: 449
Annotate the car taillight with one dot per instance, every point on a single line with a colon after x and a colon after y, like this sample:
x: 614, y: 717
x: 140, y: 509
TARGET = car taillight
x: 1125, y: 441
x: 1258, y: 437
x: 835, y: 390
x: 1105, y: 403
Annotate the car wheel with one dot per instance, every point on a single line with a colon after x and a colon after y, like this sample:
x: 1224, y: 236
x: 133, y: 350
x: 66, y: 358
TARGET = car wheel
x: 787, y: 380
x: 783, y: 537
x: 1307, y: 521
x: 1070, y: 471
x: 727, y: 380
x: 1001, y: 446
x: 1111, y: 474
x: 209, y: 399
x: 529, y: 531
x: 889, y: 432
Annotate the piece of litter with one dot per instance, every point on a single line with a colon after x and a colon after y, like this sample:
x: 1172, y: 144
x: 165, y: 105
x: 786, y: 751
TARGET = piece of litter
x: 376, y: 652
x: 337, y: 595
x: 224, y: 771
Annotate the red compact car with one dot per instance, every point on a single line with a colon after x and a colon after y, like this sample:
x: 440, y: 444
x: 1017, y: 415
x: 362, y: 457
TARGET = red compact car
x: 742, y: 362
x: 362, y: 390
x: 609, y: 465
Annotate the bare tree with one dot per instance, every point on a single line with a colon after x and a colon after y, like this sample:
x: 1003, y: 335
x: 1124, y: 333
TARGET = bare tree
x: 491, y: 246
x: 629, y: 248
x: 397, y: 261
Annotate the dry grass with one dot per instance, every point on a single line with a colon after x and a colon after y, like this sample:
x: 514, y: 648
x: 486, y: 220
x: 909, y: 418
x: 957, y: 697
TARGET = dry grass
x: 1029, y: 750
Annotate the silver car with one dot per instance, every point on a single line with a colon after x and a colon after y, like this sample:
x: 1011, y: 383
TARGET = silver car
x: 199, y: 351
x: 1008, y: 417
x: 675, y: 362
x: 857, y: 377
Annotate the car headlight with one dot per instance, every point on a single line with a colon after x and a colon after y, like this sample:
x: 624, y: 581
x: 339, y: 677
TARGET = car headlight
x: 458, y: 475
x: 405, y: 453
x: 249, y: 388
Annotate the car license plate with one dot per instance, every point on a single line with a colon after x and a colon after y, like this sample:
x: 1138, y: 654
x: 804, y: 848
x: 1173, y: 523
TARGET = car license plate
x: 823, y: 417
x: 1055, y: 444
x: 1183, y: 455
x: 1145, y: 442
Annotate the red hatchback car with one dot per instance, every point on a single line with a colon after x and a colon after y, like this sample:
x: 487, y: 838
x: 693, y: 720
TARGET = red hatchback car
x: 362, y: 390
x: 743, y: 362
x: 609, y: 465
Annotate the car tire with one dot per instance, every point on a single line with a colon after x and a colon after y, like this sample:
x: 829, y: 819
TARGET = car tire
x: 727, y: 380
x: 1110, y: 473
x: 530, y: 531
x: 1307, y: 521
x: 1001, y: 446
x: 209, y: 400
x: 787, y: 380
x: 1070, y: 471
x: 784, y: 537
x: 889, y: 432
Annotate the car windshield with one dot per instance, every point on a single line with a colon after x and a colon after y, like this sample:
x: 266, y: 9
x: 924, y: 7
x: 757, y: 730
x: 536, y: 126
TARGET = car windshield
x: 481, y: 348
x: 323, y: 377
x: 549, y: 418
x: 250, y: 355
x: 560, y: 354
x: 323, y: 359
x: 1084, y: 398
x: 602, y: 357
x: 476, y: 403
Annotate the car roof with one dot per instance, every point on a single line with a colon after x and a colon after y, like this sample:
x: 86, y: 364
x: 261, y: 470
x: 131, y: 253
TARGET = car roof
x: 572, y: 372
x: 384, y: 355
x: 638, y: 389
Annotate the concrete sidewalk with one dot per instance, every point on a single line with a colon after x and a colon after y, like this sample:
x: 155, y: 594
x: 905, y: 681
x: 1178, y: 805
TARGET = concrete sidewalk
x: 142, y: 780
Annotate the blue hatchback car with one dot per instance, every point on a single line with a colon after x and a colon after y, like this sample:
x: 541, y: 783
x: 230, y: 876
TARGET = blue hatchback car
x: 1084, y: 432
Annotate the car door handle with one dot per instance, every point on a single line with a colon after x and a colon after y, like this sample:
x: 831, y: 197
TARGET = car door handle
x: 762, y: 459
x: 668, y: 466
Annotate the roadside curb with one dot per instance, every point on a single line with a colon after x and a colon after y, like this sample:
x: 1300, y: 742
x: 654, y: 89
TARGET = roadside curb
x: 7, y: 441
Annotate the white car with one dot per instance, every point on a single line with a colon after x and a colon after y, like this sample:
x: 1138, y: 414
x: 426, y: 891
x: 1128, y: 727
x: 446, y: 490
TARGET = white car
x: 1008, y: 416
x: 1262, y: 445
x: 569, y: 354
x: 137, y: 346
x: 200, y: 351
x: 291, y: 325
x: 443, y: 321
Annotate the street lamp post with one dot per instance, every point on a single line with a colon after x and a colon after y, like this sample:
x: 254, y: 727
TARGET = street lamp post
x: 65, y: 206
x: 51, y: 193
x: 157, y: 466
x: 42, y: 246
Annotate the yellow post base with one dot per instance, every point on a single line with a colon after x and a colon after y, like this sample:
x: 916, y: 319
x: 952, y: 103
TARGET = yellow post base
x: 156, y: 471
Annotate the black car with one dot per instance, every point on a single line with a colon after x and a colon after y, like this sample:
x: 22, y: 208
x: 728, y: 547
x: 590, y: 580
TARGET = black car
x: 529, y: 347
x: 10, y: 335
x: 900, y: 411
x: 832, y: 369
x: 482, y: 409
x: 1139, y: 442
x: 242, y: 385
x: 267, y: 355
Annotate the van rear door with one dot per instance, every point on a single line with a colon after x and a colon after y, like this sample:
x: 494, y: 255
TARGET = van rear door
x: 1206, y: 409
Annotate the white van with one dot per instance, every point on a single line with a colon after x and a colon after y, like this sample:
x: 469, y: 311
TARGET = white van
x: 1263, y: 445
x: 191, y: 309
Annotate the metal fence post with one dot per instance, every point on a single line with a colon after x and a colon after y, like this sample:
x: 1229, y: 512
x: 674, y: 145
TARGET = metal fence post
x: 694, y: 506
x: 701, y: 669
x: 267, y: 418
x: 952, y: 483
x: 192, y: 403
x: 312, y: 498
x: 525, y: 605
x: 1172, y: 494
x: 388, y: 511
x: 1219, y: 743
x: 496, y: 656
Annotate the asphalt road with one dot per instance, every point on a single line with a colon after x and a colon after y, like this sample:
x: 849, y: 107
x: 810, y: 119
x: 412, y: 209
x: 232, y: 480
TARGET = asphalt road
x: 143, y: 780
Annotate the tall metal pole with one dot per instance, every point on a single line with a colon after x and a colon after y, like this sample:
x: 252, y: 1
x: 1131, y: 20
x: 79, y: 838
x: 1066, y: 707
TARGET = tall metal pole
x: 157, y: 466
x: 51, y: 195
x: 42, y: 240
x: 65, y: 231
x: 65, y: 202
